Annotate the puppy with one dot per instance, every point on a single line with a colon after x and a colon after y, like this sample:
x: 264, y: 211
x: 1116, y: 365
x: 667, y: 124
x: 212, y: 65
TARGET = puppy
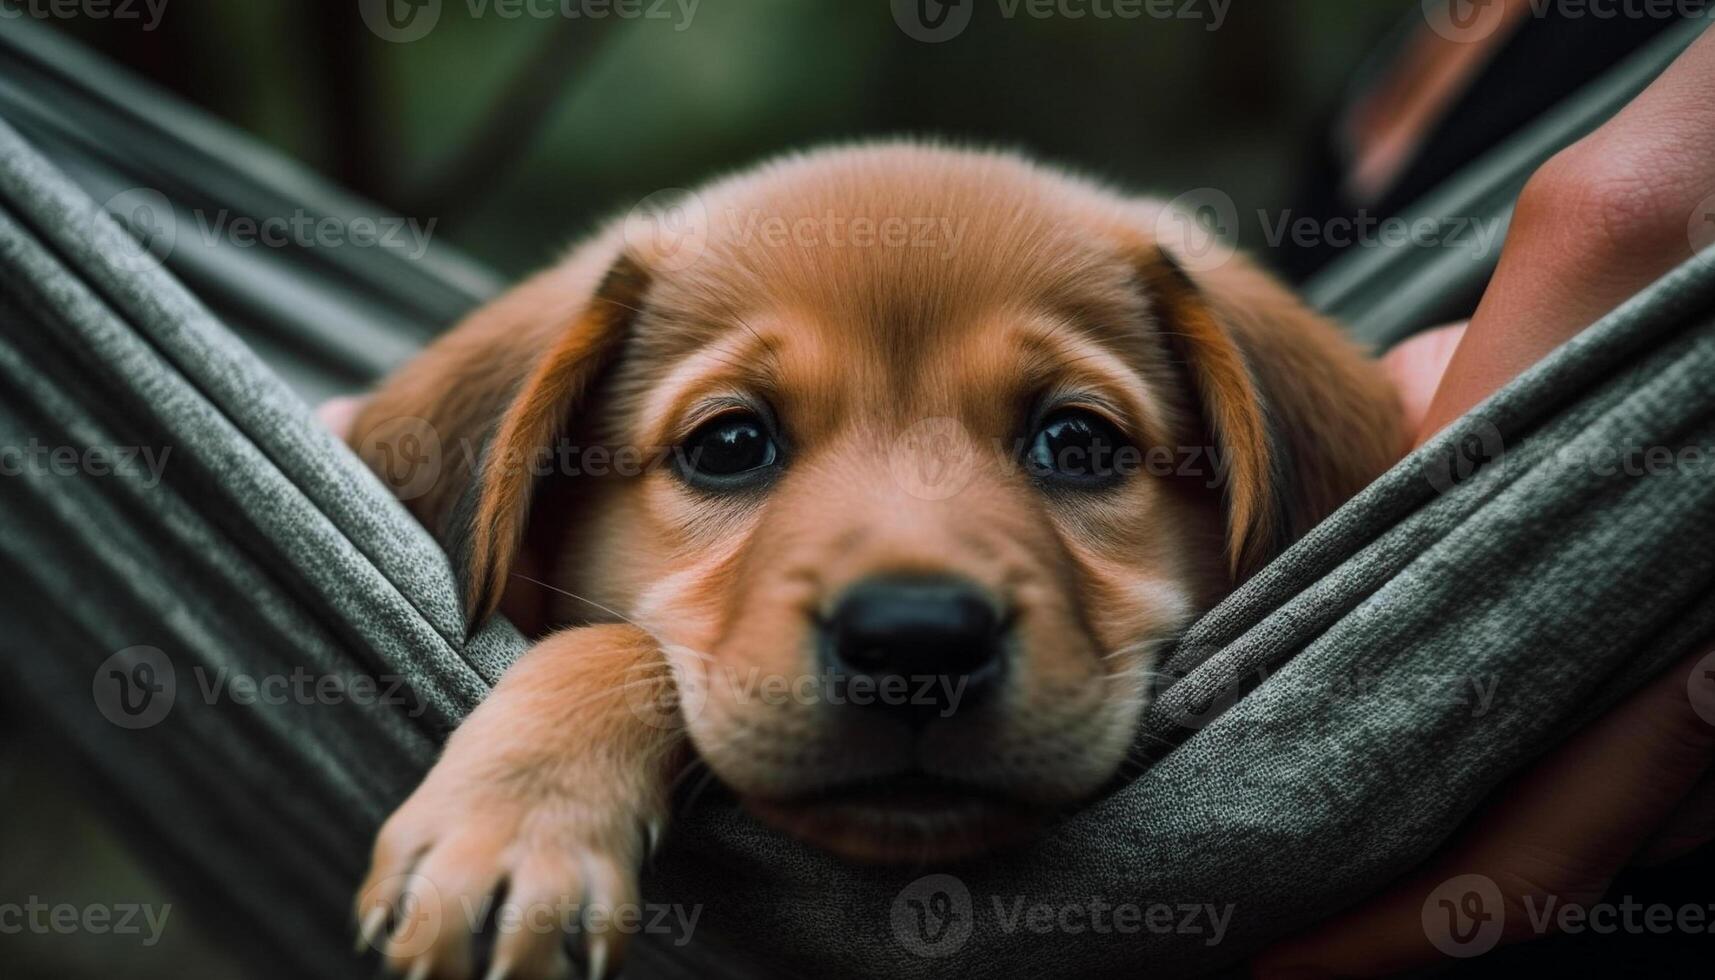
x: 931, y: 450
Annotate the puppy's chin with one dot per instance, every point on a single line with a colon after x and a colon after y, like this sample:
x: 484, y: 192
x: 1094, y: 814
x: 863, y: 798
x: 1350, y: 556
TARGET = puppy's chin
x: 904, y: 820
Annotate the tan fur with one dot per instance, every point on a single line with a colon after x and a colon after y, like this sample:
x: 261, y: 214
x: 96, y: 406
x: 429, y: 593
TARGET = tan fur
x: 1304, y: 417
x: 1038, y: 286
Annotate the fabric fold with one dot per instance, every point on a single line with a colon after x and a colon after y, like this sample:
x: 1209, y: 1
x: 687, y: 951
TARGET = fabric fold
x: 1318, y: 733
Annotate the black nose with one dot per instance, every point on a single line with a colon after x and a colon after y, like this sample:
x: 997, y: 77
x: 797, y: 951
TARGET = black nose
x: 921, y: 647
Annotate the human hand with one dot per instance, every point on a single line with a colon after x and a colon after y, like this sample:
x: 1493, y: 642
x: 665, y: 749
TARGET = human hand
x: 339, y: 413
x: 1596, y: 224
x: 1635, y: 786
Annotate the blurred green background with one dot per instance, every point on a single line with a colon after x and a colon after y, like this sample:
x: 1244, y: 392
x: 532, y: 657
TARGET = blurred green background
x: 516, y: 134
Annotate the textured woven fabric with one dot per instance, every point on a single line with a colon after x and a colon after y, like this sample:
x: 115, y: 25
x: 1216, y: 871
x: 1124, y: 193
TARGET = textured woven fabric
x: 1338, y: 716
x: 254, y: 546
x: 1318, y: 733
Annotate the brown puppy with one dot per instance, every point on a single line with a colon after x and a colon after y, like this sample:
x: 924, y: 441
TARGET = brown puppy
x: 952, y: 445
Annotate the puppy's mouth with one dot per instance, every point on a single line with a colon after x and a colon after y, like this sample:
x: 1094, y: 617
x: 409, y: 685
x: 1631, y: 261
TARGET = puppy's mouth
x: 911, y: 816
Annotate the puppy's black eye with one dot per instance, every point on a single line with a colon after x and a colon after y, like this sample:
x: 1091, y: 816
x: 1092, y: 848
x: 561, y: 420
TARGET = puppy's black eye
x: 1077, y: 448
x: 727, y: 450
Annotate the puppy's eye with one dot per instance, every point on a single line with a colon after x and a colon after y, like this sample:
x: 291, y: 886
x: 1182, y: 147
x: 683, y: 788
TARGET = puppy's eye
x: 727, y: 450
x: 1074, y: 447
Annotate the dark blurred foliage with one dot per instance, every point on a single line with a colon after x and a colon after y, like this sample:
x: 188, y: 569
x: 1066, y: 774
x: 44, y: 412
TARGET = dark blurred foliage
x: 516, y: 134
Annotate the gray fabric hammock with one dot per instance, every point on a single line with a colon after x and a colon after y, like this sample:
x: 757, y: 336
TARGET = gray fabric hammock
x: 1324, y: 728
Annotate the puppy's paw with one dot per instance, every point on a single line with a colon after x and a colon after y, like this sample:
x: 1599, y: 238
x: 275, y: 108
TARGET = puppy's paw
x: 518, y: 857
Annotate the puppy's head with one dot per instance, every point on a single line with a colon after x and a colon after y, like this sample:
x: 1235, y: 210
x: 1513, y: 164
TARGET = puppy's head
x: 928, y: 453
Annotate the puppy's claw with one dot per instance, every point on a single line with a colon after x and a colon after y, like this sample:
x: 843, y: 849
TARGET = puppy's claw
x: 374, y: 921
x: 597, y: 959
x: 498, y: 970
x: 653, y: 829
x: 420, y: 969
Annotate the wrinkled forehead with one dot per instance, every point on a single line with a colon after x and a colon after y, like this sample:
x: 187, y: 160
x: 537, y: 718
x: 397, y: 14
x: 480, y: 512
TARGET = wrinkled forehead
x: 880, y: 345
x: 891, y: 293
x: 900, y: 248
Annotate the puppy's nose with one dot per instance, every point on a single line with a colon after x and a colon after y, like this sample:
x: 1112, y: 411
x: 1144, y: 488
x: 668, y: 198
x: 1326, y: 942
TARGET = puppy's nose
x: 922, y: 647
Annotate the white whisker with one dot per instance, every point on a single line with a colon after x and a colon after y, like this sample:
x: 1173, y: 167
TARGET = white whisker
x: 616, y: 614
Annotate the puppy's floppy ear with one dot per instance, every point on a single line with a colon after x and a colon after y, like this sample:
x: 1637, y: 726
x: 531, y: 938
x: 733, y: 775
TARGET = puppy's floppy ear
x: 1302, y: 420
x: 556, y: 388
x: 495, y: 392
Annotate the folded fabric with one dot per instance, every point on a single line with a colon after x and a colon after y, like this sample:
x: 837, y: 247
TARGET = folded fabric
x: 1329, y: 724
x: 177, y: 525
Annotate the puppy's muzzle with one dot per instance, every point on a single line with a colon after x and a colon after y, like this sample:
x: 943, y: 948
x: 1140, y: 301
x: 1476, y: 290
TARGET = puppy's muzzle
x: 920, y: 647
